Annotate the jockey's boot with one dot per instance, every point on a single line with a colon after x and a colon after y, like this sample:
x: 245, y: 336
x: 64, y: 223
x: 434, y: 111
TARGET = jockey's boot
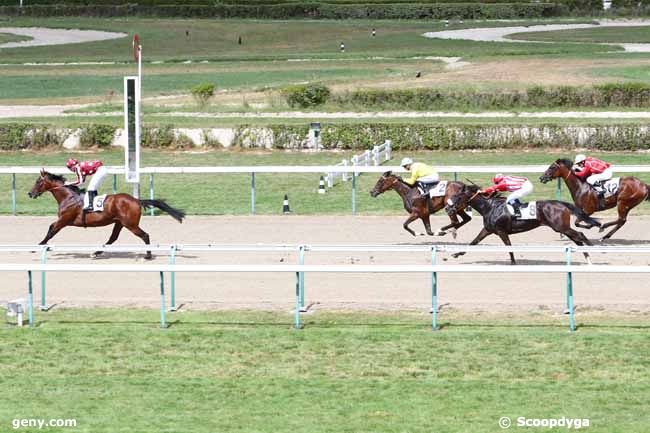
x: 516, y: 207
x: 91, y: 198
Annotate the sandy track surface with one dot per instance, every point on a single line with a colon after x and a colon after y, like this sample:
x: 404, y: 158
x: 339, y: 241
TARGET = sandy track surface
x: 499, y: 34
x: 495, y: 292
x: 43, y: 36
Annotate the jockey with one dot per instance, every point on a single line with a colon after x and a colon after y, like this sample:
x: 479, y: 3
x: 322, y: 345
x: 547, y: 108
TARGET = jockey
x: 517, y: 185
x: 424, y: 174
x: 594, y: 171
x: 83, y: 169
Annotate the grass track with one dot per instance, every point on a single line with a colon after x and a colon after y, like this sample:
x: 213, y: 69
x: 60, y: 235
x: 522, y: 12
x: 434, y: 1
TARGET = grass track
x: 230, y: 194
x: 640, y: 34
x: 251, y: 372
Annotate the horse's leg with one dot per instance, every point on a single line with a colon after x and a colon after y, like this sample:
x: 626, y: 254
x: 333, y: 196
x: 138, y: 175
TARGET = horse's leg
x: 455, y: 224
x: 410, y: 219
x: 623, y: 210
x: 54, y: 228
x: 482, y: 235
x: 427, y: 224
x: 117, y: 228
x: 579, y: 239
x: 506, y: 240
x: 144, y: 236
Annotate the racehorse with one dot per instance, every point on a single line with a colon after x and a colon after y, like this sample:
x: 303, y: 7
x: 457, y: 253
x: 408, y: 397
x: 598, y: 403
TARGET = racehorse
x: 631, y: 192
x: 121, y: 209
x: 417, y: 206
x: 497, y: 220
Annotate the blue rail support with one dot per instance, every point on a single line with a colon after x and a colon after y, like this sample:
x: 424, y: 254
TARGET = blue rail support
x: 30, y: 299
x: 172, y: 276
x: 354, y: 193
x: 569, y: 292
x: 115, y: 184
x: 434, y: 291
x: 163, y: 323
x: 151, y: 193
x: 301, y: 261
x: 297, y: 323
x: 13, y: 193
x: 44, y: 250
x: 253, y: 193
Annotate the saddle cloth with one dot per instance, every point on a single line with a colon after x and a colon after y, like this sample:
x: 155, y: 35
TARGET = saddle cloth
x: 438, y: 190
x: 528, y: 211
x: 98, y: 203
x: 610, y: 187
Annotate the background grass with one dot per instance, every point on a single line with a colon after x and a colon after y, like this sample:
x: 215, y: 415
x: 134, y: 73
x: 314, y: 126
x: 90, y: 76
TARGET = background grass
x: 230, y: 194
x: 251, y: 372
x: 8, y: 37
x: 633, y: 34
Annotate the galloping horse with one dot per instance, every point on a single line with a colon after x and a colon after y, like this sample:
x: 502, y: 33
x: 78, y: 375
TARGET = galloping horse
x: 417, y: 206
x: 631, y: 192
x: 121, y: 209
x: 496, y: 219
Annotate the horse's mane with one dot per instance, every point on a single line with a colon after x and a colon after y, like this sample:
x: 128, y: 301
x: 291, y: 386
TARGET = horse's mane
x: 58, y: 178
x: 566, y: 162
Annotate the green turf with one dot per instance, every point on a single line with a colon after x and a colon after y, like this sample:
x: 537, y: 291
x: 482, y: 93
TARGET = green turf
x: 115, y: 371
x: 165, y: 39
x: 8, y: 37
x: 633, y: 73
x: 640, y: 34
x: 230, y: 194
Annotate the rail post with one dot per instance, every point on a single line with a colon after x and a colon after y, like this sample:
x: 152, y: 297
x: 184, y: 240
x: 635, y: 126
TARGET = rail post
x: 434, y: 291
x: 172, y: 278
x: 44, y: 250
x: 569, y: 291
x: 253, y: 193
x: 163, y: 323
x: 455, y: 177
x: 151, y: 192
x: 30, y: 299
x: 558, y: 191
x: 301, y: 261
x: 13, y: 194
x: 354, y: 193
x: 297, y: 324
x: 114, y: 183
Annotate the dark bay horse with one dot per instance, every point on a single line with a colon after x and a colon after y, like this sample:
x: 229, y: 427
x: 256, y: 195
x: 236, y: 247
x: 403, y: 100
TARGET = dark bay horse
x: 496, y: 219
x: 418, y: 207
x: 122, y: 210
x: 631, y: 192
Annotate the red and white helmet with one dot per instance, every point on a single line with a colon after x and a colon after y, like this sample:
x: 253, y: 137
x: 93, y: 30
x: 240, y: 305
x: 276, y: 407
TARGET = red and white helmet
x: 71, y: 163
x: 497, y: 178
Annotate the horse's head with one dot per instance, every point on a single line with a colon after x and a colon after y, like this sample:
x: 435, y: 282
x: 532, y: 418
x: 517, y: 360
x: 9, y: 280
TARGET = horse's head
x: 385, y: 182
x: 555, y: 170
x: 45, y: 182
x: 461, y: 199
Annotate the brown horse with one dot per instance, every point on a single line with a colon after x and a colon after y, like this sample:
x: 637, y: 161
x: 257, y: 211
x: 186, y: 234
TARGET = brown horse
x: 122, y: 210
x: 496, y: 218
x: 417, y: 206
x: 631, y: 192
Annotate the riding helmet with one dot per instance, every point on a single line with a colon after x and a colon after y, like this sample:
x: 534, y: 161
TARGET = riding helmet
x: 71, y: 163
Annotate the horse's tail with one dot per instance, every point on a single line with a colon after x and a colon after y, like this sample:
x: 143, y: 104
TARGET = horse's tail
x: 647, y: 188
x: 582, y: 215
x: 177, y: 214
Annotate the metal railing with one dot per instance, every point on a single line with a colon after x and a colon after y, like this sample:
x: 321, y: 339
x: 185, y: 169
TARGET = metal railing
x: 300, y: 268
x: 352, y: 171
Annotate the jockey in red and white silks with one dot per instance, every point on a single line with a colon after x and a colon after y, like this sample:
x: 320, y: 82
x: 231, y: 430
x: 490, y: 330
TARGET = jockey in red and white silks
x: 592, y: 170
x: 83, y: 169
x: 517, y: 185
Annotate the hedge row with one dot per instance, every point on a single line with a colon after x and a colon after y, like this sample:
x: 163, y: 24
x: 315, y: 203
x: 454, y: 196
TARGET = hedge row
x: 265, y: 2
x: 304, y: 10
x: 364, y: 136
x: 607, y: 95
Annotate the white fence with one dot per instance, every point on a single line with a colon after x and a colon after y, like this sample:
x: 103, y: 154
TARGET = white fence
x: 352, y: 171
x: 300, y: 268
x: 374, y: 157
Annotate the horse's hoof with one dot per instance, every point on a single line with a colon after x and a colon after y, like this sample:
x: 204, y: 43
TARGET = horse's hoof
x: 456, y: 255
x: 96, y: 254
x: 439, y: 233
x: 454, y: 233
x: 148, y: 257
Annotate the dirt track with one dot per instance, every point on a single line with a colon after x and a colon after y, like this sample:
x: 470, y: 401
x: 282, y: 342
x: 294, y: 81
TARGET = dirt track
x: 341, y: 291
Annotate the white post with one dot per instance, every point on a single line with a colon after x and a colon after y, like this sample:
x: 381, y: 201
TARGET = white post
x: 344, y: 175
x: 136, y: 186
x: 375, y: 155
x: 388, y: 150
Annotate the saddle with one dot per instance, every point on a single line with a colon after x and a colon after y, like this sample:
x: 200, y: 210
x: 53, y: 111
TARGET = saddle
x: 426, y: 187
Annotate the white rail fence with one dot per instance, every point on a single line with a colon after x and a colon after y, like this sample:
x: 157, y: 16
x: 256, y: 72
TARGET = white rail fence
x: 352, y: 171
x: 375, y: 157
x: 300, y: 268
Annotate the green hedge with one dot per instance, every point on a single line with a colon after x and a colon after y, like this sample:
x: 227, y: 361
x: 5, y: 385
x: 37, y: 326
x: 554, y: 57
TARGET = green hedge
x: 404, y: 136
x: 607, y: 95
x: 302, y: 10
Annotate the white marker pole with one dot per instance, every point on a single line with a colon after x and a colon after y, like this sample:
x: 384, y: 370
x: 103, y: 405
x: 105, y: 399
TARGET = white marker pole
x: 136, y: 186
